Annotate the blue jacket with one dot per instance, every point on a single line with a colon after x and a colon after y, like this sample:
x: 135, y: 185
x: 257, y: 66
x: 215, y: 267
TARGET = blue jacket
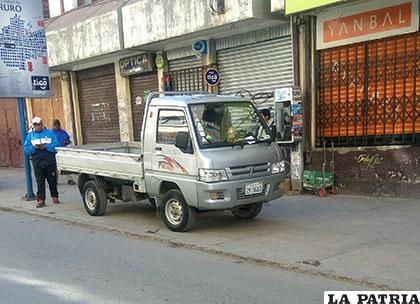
x: 63, y: 137
x: 41, y: 158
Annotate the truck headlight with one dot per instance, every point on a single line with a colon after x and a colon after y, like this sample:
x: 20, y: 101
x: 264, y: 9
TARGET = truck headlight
x: 212, y: 176
x: 278, y: 167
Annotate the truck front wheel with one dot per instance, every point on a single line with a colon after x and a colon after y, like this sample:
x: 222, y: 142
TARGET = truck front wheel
x: 175, y: 212
x: 94, y: 198
x: 247, y: 212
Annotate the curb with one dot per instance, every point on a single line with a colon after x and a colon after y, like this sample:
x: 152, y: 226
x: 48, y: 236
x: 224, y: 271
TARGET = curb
x: 290, y: 267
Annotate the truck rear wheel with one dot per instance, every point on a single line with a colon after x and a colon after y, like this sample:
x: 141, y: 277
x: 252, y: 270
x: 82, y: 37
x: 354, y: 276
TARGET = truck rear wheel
x: 94, y: 198
x: 175, y: 212
x: 247, y: 212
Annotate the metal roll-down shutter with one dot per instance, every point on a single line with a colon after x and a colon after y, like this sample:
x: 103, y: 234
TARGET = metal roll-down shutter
x: 258, y: 68
x: 98, y: 105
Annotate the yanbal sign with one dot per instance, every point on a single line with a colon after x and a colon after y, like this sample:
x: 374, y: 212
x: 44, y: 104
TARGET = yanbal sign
x: 366, y: 21
x: 24, y: 68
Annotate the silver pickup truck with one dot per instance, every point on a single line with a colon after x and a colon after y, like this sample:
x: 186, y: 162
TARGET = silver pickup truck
x: 198, y: 152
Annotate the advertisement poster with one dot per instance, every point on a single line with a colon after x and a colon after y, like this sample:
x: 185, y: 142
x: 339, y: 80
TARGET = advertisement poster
x: 297, y: 114
x: 23, y: 50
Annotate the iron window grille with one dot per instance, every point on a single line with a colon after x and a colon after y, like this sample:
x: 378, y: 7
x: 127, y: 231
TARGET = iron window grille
x: 368, y: 93
x: 191, y: 79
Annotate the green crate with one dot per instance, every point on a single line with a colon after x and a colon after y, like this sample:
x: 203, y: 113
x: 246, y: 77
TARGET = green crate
x: 316, y: 180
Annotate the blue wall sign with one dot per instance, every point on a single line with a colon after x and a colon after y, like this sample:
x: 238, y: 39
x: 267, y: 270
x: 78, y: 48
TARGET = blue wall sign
x: 212, y: 76
x: 199, y: 47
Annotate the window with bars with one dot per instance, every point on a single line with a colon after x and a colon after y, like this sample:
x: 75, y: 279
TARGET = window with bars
x: 368, y: 93
x: 190, y: 79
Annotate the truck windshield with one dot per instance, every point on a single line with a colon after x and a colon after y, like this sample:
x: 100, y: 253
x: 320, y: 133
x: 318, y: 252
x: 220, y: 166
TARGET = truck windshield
x: 228, y: 123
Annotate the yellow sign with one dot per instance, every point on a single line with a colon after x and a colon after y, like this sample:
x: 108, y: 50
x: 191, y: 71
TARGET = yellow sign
x: 296, y: 6
x: 159, y: 61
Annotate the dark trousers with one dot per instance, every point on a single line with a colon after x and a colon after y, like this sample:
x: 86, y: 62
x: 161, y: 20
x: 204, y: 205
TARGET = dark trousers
x: 48, y: 173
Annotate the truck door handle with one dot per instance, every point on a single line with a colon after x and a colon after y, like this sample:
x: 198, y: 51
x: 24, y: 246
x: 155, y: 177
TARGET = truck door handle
x: 158, y: 148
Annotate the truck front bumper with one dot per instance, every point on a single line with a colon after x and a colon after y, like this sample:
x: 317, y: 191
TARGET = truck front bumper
x: 229, y: 194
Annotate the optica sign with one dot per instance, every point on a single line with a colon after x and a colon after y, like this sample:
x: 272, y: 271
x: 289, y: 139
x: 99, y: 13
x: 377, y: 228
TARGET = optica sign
x: 366, y: 21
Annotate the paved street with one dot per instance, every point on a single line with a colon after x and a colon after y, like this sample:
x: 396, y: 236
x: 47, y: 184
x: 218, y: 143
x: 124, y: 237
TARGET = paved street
x: 366, y: 241
x: 49, y: 262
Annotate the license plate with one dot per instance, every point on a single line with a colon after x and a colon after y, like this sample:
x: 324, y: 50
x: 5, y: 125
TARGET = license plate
x: 253, y: 188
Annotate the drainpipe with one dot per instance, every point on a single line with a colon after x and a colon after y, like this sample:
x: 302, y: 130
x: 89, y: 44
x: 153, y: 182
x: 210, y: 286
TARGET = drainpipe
x: 313, y: 85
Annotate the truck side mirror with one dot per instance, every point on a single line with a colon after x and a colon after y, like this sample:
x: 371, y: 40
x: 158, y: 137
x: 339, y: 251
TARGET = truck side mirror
x: 183, y: 142
x: 273, y: 134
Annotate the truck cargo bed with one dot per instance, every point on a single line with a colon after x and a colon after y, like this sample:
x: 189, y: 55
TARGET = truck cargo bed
x: 122, y: 160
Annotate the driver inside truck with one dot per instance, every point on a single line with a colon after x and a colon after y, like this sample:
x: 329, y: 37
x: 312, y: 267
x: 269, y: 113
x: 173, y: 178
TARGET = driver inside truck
x: 266, y: 116
x: 211, y: 124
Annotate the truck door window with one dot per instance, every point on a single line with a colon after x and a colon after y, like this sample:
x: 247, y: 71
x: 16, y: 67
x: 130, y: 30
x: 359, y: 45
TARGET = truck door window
x: 170, y: 122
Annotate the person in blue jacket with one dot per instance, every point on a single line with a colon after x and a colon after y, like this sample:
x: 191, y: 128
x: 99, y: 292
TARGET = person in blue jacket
x: 40, y: 144
x: 63, y: 139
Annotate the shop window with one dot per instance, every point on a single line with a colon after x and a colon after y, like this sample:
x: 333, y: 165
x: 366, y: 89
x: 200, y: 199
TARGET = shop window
x: 368, y: 93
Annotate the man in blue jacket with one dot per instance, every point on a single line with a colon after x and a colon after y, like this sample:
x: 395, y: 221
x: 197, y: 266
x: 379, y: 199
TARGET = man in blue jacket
x: 63, y: 139
x: 40, y: 144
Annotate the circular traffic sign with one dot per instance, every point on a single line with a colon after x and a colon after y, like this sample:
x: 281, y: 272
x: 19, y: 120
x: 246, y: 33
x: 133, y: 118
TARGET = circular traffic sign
x: 212, y: 76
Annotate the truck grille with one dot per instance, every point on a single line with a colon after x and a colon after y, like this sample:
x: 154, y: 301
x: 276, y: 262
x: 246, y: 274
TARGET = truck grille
x: 240, y: 193
x: 251, y: 170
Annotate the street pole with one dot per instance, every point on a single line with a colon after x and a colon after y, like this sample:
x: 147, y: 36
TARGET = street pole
x: 29, y: 196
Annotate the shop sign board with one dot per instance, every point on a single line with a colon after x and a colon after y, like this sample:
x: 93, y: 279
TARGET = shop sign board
x: 138, y: 64
x: 366, y: 21
x: 24, y: 68
x: 297, y: 6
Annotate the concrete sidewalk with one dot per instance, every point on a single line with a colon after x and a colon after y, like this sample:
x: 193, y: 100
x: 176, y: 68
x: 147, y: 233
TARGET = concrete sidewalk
x: 363, y: 240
